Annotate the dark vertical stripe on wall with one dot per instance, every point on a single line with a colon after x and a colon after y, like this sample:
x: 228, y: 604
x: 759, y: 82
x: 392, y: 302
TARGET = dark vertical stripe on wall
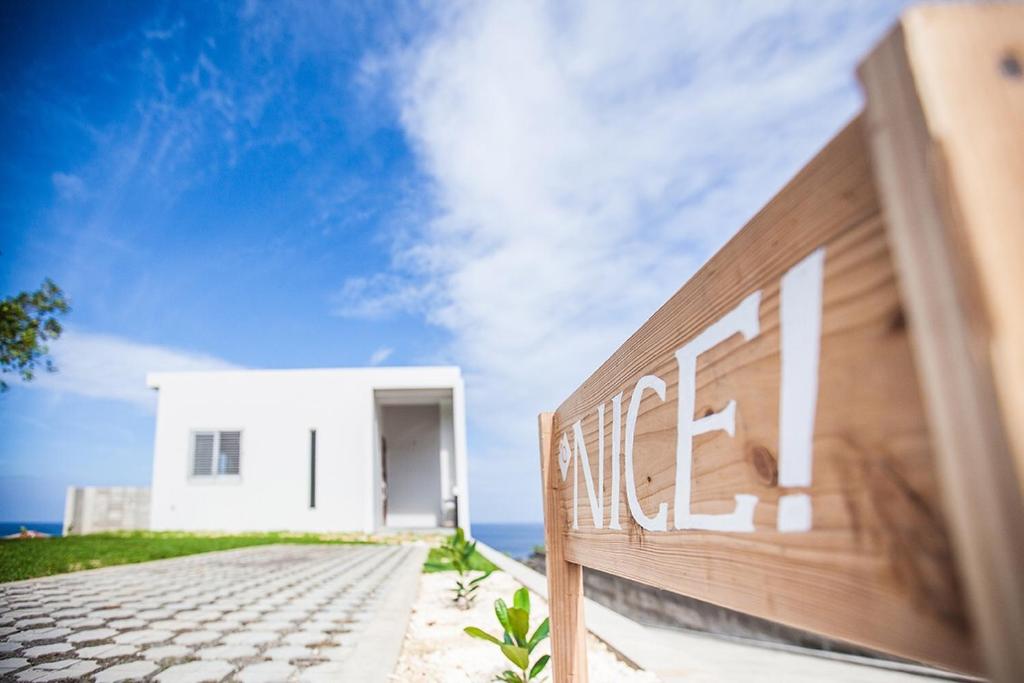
x: 312, y: 468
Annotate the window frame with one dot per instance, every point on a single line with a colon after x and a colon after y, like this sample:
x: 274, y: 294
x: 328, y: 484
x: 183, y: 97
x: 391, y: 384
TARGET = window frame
x: 213, y: 477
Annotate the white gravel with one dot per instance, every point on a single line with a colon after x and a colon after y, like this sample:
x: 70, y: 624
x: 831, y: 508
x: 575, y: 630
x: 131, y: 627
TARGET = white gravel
x: 436, y: 649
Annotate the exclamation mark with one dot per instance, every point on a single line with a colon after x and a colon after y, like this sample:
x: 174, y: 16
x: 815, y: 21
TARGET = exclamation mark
x: 800, y: 313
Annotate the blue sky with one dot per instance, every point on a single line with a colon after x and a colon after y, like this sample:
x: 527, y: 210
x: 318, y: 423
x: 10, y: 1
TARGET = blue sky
x: 511, y: 187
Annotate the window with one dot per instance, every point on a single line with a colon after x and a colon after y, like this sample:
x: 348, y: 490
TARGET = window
x: 216, y: 453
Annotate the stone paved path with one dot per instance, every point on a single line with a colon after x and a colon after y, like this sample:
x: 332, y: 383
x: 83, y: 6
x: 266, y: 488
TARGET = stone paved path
x: 272, y: 613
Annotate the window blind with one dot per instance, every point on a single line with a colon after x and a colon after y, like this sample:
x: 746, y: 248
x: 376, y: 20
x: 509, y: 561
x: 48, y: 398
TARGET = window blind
x: 216, y: 453
x: 202, y: 454
x: 230, y: 453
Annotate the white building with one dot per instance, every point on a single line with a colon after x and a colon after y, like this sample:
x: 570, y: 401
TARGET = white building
x: 349, y: 449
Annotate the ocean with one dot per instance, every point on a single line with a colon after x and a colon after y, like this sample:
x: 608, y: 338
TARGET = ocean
x: 52, y: 528
x: 515, y: 540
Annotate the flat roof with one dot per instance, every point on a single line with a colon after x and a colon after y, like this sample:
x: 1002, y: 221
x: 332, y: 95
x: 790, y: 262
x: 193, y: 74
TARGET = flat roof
x: 387, y: 374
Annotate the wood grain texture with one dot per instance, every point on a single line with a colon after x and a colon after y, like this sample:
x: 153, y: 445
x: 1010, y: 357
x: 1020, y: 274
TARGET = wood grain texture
x: 876, y: 569
x: 945, y: 108
x: 565, y: 580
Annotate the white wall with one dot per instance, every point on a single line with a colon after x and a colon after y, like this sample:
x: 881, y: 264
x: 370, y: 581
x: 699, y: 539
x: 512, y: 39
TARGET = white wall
x: 275, y: 409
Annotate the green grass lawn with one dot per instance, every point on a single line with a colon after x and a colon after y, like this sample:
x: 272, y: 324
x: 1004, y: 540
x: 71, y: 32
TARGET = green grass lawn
x: 28, y: 558
x: 436, y: 562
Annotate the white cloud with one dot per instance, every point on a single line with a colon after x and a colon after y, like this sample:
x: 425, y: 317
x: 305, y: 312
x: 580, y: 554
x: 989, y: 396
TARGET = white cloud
x: 584, y: 160
x: 69, y: 186
x: 380, y: 355
x: 380, y: 295
x: 109, y: 367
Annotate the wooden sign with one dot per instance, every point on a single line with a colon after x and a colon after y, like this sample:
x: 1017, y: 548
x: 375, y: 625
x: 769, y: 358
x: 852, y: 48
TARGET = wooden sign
x: 823, y: 426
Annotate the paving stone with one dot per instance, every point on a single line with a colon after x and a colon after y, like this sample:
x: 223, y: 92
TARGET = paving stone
x: 287, y: 617
x: 32, y: 621
x: 7, y: 630
x: 162, y: 652
x: 151, y: 614
x: 290, y: 653
x: 43, y: 650
x: 195, y: 672
x: 306, y: 638
x: 199, y: 615
x: 34, y: 634
x: 80, y: 622
x: 125, y: 624
x: 222, y: 626
x: 7, y: 648
x: 266, y: 672
x: 250, y: 637
x: 71, y: 612
x: 129, y: 671
x: 143, y: 637
x: 12, y: 664
x: 343, y: 637
x: 276, y: 626
x: 59, y: 604
x: 174, y: 625
x: 112, y: 613
x: 246, y: 615
x: 63, y: 670
x: 106, y: 651
x: 262, y: 607
x: 328, y: 672
x: 92, y: 635
x: 197, y: 637
x: 26, y: 612
x: 361, y: 616
x: 227, y: 652
x: 325, y: 626
x: 335, y: 654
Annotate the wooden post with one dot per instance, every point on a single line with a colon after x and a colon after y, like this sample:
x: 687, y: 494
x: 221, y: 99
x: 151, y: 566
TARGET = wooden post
x: 565, y: 579
x: 945, y: 113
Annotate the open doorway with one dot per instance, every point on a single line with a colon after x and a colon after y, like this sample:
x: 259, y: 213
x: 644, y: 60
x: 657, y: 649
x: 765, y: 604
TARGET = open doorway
x: 416, y: 459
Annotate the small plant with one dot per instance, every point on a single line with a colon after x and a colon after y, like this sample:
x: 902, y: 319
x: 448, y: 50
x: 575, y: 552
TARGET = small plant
x: 514, y: 644
x: 459, y: 554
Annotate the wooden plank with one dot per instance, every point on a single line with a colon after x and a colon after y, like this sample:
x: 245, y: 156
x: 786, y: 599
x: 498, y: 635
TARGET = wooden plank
x: 875, y: 566
x: 946, y: 111
x: 565, y: 580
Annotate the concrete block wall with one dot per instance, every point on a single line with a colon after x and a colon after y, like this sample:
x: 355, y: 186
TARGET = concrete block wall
x: 91, y: 509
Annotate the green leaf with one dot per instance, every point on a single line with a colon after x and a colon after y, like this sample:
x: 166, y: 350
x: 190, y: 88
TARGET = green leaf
x: 517, y: 655
x: 540, y: 634
x: 436, y: 566
x: 482, y: 635
x: 508, y: 638
x: 501, y: 611
x: 480, y: 578
x: 519, y: 623
x: 509, y: 677
x: 539, y: 666
x: 522, y: 600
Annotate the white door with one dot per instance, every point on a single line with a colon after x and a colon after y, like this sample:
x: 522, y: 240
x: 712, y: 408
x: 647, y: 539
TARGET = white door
x: 413, y: 465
